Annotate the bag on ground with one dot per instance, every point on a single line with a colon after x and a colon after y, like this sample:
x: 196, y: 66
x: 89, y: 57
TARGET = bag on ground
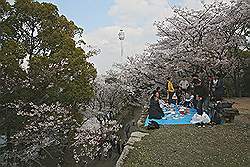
x: 204, y: 118
x: 153, y: 125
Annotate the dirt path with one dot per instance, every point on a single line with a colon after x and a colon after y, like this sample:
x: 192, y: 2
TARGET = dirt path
x: 243, y: 105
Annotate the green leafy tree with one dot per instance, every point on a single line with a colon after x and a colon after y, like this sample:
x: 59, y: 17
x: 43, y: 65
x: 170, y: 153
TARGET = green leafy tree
x: 57, y: 70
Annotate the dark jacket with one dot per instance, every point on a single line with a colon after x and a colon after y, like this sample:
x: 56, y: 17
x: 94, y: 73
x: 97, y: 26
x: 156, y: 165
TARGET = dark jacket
x: 219, y: 88
x: 201, y: 91
x: 155, y: 111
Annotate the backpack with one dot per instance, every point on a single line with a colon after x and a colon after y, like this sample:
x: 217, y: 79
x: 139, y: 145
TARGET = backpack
x: 153, y: 125
x: 215, y: 116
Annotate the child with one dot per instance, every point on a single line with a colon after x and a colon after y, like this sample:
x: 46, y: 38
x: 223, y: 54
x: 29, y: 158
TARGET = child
x: 187, y: 100
x: 163, y: 102
x: 175, y: 99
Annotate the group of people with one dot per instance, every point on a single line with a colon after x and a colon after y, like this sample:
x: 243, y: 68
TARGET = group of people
x: 194, y: 93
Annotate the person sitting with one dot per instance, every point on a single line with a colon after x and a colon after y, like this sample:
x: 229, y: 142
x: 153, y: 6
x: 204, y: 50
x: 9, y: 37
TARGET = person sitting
x: 158, y: 89
x: 175, y: 99
x: 163, y: 103
x: 187, y: 100
x: 155, y: 111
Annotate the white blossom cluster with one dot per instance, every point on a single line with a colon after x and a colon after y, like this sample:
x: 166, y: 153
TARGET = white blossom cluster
x: 93, y: 143
x: 111, y: 95
x: 53, y: 125
x: 44, y: 126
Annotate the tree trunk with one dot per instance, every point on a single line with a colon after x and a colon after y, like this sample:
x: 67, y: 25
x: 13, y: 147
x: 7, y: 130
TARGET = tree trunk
x: 235, y: 84
x: 239, y: 85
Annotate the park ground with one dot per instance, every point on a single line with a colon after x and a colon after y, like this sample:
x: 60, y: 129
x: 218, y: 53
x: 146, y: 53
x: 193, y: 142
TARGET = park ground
x: 221, y: 145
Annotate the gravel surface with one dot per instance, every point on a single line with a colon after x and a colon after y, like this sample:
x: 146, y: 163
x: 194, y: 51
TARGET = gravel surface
x: 221, y: 145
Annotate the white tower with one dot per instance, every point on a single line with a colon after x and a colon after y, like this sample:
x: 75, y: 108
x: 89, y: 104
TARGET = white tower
x: 121, y: 35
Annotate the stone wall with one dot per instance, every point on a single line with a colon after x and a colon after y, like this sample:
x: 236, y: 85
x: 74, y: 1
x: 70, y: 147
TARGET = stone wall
x: 135, y: 137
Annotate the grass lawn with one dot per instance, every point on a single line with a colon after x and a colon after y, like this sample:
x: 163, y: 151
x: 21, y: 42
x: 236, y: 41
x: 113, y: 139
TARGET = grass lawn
x: 221, y: 145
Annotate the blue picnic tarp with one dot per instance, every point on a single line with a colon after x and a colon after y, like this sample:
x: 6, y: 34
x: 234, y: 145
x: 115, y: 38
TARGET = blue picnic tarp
x: 174, y: 119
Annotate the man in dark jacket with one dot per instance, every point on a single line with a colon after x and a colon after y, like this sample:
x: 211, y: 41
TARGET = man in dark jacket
x: 201, y: 93
x: 194, y: 84
x: 219, y: 90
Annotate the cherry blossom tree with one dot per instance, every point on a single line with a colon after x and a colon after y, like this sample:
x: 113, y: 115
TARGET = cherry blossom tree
x: 54, y: 132
x: 201, y: 40
x: 192, y: 41
x: 111, y: 94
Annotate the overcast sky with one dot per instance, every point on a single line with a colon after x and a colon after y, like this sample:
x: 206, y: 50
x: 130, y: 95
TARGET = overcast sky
x: 102, y: 20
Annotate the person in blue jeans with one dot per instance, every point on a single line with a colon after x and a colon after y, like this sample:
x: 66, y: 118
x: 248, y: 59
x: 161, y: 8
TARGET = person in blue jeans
x: 201, y: 93
x: 194, y: 84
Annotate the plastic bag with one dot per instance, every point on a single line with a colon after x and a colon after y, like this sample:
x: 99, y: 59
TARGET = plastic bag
x: 204, y: 118
x: 196, y: 119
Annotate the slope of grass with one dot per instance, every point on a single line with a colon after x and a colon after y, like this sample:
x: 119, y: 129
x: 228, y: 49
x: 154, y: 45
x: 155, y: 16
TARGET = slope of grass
x: 221, y: 145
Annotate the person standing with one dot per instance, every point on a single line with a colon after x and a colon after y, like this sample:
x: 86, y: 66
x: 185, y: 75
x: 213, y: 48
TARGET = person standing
x: 195, y: 82
x: 201, y: 94
x: 219, y: 89
x: 170, y: 89
x: 184, y: 84
x: 214, y: 82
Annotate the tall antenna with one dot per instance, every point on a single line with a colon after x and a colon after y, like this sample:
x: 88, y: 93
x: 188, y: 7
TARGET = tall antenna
x: 121, y: 35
